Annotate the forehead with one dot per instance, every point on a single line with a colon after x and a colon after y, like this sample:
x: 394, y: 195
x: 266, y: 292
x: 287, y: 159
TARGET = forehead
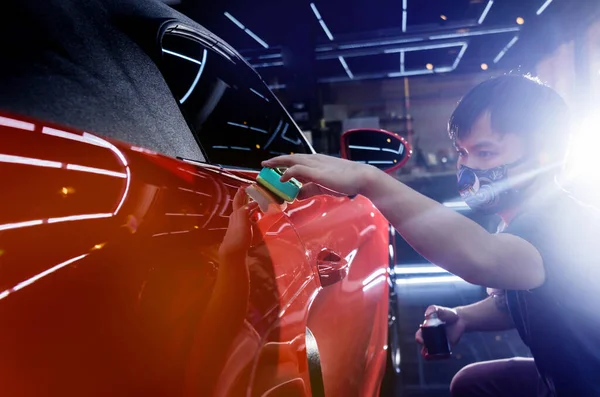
x: 482, y: 137
x: 481, y: 131
x: 481, y: 134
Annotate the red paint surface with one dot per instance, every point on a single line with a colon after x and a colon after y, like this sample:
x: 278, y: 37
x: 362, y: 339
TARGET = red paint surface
x: 123, y: 272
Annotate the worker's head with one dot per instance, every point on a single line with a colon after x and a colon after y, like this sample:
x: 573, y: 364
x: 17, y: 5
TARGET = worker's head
x: 509, y: 132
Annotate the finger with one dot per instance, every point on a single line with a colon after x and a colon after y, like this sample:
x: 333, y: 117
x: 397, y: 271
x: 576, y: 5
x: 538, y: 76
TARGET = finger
x: 245, y: 211
x: 447, y: 315
x: 430, y: 310
x: 254, y: 213
x: 309, y: 190
x: 239, y: 199
x: 453, y: 338
x: 419, y: 337
x: 443, y: 313
x: 286, y: 161
x: 424, y: 353
x: 302, y: 173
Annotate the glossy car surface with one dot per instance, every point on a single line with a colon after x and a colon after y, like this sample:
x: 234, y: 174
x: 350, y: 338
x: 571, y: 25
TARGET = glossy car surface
x: 128, y: 272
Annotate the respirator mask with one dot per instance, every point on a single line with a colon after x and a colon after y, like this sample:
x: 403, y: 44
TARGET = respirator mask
x: 488, y: 191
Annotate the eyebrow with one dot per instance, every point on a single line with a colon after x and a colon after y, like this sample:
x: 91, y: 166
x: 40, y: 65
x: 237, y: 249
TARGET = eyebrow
x: 484, y: 144
x: 478, y: 145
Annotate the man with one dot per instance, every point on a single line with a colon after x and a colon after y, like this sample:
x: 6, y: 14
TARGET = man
x: 511, y: 134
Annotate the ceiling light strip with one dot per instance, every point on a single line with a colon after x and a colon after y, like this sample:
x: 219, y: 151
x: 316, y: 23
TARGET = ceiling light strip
x: 486, y: 10
x: 322, y: 50
x: 346, y: 68
x: 321, y: 21
x: 543, y: 7
x: 505, y: 49
x: 269, y: 56
x: 475, y: 33
x: 446, y: 69
x: 277, y: 86
x: 326, y: 30
x: 402, y: 55
x: 426, y: 47
x: 245, y: 29
x: 234, y: 20
x: 255, y: 37
x: 374, y: 44
x: 408, y: 73
x: 317, y: 14
x: 330, y: 37
x: 404, y: 15
x: 460, y: 55
x: 267, y: 64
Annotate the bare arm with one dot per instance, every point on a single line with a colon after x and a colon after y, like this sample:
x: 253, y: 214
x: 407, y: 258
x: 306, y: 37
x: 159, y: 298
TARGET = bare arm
x: 453, y: 241
x: 439, y: 234
x: 490, y: 314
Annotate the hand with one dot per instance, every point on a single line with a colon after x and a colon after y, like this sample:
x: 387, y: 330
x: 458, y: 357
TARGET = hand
x: 455, y: 326
x: 324, y: 174
x: 238, y: 236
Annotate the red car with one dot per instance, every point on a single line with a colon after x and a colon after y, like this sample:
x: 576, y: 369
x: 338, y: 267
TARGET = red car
x: 126, y: 271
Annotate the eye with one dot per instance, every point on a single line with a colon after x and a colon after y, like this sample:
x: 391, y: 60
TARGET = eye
x: 485, y: 154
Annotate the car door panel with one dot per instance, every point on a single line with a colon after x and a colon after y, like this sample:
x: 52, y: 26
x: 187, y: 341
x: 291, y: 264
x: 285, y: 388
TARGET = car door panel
x: 218, y: 80
x: 126, y: 289
x: 346, y: 316
x: 113, y: 275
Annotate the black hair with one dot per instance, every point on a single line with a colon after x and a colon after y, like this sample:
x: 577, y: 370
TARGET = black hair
x: 520, y: 104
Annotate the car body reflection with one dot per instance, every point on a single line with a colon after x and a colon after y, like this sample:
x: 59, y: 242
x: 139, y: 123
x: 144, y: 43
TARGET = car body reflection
x: 173, y: 294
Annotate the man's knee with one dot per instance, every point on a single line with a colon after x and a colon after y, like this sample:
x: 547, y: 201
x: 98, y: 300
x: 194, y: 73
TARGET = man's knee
x: 466, y: 382
x: 510, y: 377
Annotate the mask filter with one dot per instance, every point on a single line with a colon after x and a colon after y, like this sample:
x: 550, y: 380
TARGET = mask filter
x: 487, y: 191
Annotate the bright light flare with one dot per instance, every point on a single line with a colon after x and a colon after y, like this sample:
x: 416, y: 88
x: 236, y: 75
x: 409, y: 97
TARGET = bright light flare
x: 582, y: 158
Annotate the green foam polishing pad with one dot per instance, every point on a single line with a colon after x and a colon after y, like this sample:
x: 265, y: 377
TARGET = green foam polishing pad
x: 269, y: 178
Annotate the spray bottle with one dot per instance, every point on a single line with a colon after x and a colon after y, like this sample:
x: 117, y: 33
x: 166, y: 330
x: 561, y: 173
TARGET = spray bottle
x: 436, y: 343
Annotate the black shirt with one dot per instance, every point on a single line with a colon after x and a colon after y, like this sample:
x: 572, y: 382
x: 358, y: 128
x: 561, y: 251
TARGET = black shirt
x: 560, y: 321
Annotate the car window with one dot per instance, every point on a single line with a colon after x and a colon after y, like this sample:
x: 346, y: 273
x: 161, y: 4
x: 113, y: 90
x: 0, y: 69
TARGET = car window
x: 233, y: 115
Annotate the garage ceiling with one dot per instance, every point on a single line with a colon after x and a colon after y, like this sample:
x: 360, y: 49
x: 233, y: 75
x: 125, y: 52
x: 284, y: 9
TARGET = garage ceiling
x: 360, y: 39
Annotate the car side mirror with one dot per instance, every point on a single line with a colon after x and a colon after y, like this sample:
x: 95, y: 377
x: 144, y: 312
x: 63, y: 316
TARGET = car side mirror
x: 383, y: 149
